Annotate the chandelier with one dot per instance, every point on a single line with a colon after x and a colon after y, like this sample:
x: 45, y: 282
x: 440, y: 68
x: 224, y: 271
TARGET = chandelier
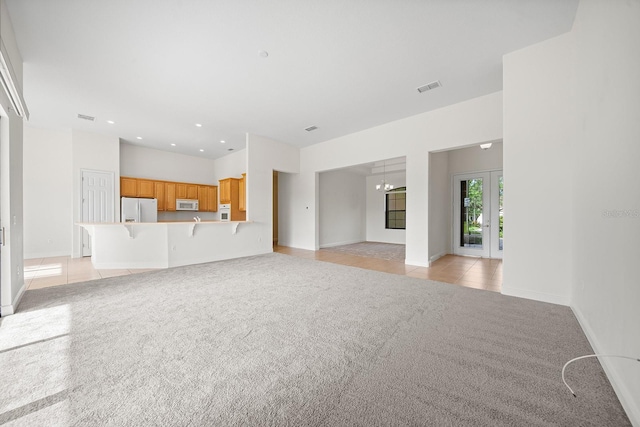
x: 384, y: 185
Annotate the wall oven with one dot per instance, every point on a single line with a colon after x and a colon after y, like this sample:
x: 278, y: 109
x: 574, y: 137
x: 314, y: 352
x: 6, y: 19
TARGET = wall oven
x: 225, y: 212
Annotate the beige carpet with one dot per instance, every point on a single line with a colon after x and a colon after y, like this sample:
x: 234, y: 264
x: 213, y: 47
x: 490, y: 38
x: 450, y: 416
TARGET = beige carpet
x: 387, y: 251
x: 276, y: 340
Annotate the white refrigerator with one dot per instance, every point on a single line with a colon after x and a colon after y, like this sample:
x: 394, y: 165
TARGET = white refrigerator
x: 139, y: 210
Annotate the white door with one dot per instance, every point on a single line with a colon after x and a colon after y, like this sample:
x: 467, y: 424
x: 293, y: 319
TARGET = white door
x: 477, y: 215
x: 97, y: 202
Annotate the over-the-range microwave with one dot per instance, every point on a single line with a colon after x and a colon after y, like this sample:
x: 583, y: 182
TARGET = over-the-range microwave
x: 186, y: 205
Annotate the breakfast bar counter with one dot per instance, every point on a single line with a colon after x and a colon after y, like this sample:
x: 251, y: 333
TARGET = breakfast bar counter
x: 124, y: 245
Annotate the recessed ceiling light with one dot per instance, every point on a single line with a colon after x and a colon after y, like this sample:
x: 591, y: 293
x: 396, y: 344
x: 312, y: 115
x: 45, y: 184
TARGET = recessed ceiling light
x: 198, y: 125
x: 263, y: 53
x: 173, y: 145
x: 222, y: 141
x: 111, y: 122
x: 138, y: 137
x: 201, y: 150
x: 230, y: 149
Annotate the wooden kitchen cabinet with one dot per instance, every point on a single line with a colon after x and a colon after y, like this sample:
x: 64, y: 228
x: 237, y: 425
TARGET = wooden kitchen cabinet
x: 170, y: 194
x: 167, y: 192
x: 192, y: 191
x: 242, y: 193
x: 160, y: 194
x: 225, y: 190
x: 146, y: 188
x: 186, y: 191
x: 207, y: 198
x: 128, y: 187
x: 181, y: 191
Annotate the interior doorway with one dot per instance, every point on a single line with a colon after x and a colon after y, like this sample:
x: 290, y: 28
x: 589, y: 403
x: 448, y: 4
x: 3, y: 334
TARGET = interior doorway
x: 275, y: 209
x: 97, y: 202
x: 478, y: 214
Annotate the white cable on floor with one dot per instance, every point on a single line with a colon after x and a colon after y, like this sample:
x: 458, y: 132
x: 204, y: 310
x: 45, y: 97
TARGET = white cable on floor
x: 591, y: 355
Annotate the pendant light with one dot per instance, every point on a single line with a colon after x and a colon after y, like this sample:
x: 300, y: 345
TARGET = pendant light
x: 384, y: 186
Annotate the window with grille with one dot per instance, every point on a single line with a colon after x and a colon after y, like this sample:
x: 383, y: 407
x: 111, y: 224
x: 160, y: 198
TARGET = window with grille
x: 395, y: 208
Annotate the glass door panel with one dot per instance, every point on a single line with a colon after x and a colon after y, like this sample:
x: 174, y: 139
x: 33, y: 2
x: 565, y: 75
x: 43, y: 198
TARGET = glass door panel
x: 472, y: 214
x: 478, y: 214
x: 497, y: 214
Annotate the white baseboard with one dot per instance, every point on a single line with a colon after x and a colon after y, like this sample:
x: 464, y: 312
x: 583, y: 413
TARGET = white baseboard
x: 7, y: 310
x: 348, y: 242
x: 436, y: 257
x: 536, y: 296
x: 629, y: 402
x: 420, y: 263
x: 35, y: 255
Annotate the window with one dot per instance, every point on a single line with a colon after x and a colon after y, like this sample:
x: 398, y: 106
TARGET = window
x: 395, y: 208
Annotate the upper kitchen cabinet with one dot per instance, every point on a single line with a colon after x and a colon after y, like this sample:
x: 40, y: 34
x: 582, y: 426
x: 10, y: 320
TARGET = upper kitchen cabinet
x: 242, y: 193
x: 186, y: 191
x: 128, y: 187
x: 160, y: 194
x: 170, y: 194
x: 225, y: 190
x: 207, y: 198
x: 135, y: 187
x: 146, y: 188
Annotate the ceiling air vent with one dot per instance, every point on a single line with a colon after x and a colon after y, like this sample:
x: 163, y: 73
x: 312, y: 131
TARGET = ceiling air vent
x: 85, y: 117
x: 429, y: 86
x: 311, y: 128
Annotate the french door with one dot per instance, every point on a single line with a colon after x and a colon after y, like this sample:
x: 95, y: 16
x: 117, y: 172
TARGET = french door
x: 478, y: 214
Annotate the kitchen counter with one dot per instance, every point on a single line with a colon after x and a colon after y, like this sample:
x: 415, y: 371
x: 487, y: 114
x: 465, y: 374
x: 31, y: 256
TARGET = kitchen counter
x: 124, y: 245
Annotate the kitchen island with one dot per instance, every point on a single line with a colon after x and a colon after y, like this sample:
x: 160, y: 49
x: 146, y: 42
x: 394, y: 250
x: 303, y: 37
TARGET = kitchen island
x: 124, y: 245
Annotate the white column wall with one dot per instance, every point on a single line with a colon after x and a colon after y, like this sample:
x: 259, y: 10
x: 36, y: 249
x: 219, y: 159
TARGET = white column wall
x: 48, y: 181
x: 440, y: 205
x: 606, y: 202
x: 342, y: 208
x: 263, y: 157
x: 537, y: 152
x: 298, y: 210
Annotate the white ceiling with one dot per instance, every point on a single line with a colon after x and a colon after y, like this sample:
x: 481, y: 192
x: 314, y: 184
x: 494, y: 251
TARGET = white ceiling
x: 158, y: 67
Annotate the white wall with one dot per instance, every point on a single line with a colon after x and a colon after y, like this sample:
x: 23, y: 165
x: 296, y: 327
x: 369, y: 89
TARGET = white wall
x: 297, y: 210
x: 11, y: 211
x: 342, y: 208
x: 48, y: 181
x: 96, y: 152
x: 376, y: 231
x: 606, y: 195
x: 474, y: 121
x: 538, y: 126
x: 230, y: 166
x: 474, y: 159
x: 440, y: 205
x: 263, y: 157
x: 141, y: 162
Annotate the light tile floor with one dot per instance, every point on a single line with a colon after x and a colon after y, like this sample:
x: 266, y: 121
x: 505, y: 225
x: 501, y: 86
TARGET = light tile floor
x: 479, y: 273
x: 44, y: 272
